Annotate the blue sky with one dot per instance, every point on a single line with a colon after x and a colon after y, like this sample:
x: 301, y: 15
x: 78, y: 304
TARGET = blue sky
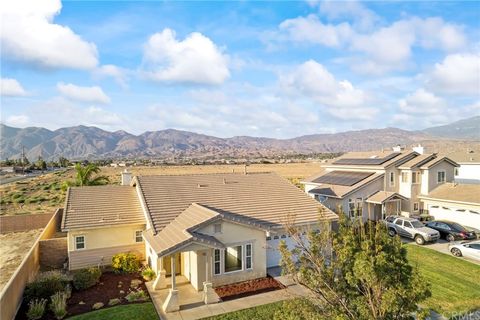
x: 275, y: 69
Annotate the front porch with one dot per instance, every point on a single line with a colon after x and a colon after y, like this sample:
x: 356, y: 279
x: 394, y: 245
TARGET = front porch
x: 384, y: 203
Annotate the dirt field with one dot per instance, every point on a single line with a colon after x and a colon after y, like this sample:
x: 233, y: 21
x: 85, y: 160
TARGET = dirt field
x: 13, y: 247
x: 44, y: 193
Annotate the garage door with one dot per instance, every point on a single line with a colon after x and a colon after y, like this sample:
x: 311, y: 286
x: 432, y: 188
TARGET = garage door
x: 464, y: 217
x: 273, y: 253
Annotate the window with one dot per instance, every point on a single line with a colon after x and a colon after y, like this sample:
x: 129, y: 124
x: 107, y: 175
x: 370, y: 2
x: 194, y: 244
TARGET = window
x: 455, y: 171
x: 275, y: 237
x: 283, y: 236
x: 355, y: 207
x: 405, y: 177
x: 399, y: 222
x: 216, y: 261
x: 392, y: 179
x: 415, y: 177
x: 217, y: 228
x: 138, y: 236
x: 440, y: 176
x: 248, y: 256
x: 233, y: 259
x: 416, y: 206
x: 79, y: 242
x: 407, y: 224
x: 269, y: 238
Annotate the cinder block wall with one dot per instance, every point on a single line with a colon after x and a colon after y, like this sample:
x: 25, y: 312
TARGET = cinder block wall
x: 53, y: 252
x: 24, y: 222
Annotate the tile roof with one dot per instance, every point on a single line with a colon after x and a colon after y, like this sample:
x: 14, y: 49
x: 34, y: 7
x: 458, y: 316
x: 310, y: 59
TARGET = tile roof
x: 418, y: 161
x: 456, y: 192
x: 181, y: 231
x: 99, y: 206
x: 471, y: 156
x: 383, y: 196
x: 434, y: 161
x: 263, y: 198
x: 338, y: 191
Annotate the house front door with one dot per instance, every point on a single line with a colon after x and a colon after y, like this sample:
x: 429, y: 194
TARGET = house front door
x: 167, y: 264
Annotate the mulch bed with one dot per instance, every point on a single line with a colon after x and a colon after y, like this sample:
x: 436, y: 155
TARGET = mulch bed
x: 108, y: 288
x: 248, y: 288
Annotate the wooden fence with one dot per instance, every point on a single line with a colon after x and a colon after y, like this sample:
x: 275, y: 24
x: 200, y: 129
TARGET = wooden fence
x: 11, y: 294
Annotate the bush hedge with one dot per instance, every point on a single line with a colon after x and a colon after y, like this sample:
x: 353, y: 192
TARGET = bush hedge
x: 86, y: 278
x: 125, y: 262
x: 46, y: 285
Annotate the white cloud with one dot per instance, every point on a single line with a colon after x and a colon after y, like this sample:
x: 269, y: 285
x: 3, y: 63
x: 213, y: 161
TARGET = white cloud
x: 110, y: 70
x: 340, y: 98
x: 30, y: 35
x: 363, y: 17
x: 196, y: 59
x: 18, y: 120
x: 11, y: 88
x: 311, y: 30
x: 59, y: 112
x: 422, y: 102
x: 456, y: 74
x: 83, y: 94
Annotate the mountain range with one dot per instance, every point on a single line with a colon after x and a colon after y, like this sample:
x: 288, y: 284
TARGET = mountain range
x: 81, y: 142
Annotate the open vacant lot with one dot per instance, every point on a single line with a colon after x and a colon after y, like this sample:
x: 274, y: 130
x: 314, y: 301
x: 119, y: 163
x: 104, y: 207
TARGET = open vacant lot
x: 44, y: 193
x: 13, y: 248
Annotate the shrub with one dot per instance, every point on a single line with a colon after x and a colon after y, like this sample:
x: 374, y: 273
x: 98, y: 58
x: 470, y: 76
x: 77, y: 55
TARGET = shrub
x: 59, y: 305
x: 46, y: 285
x: 86, y: 278
x: 148, y: 274
x: 114, y: 301
x: 36, y: 309
x: 136, y: 295
x: 125, y: 262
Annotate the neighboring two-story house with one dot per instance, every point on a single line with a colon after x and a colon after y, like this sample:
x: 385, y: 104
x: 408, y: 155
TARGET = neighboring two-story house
x: 379, y: 183
x: 469, y: 166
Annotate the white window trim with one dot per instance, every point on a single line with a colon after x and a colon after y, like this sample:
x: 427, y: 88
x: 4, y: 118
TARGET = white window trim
x: 444, y: 174
x: 251, y: 256
x: 419, y: 177
x: 219, y: 261
x: 405, y: 174
x: 221, y: 228
x: 244, y: 259
x: 135, y: 236
x: 391, y: 182
x: 75, y: 242
x: 418, y: 206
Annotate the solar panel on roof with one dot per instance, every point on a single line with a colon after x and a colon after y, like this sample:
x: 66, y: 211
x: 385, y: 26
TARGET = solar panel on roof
x: 343, y: 178
x: 366, y: 161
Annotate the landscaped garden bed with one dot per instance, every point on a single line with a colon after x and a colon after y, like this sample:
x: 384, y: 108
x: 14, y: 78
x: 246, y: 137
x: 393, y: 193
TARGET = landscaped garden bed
x: 248, y: 288
x: 57, y: 294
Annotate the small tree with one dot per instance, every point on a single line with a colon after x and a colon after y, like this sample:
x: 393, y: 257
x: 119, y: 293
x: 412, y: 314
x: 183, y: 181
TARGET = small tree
x: 357, y: 273
x: 41, y: 164
x: 84, y: 176
x: 63, y: 162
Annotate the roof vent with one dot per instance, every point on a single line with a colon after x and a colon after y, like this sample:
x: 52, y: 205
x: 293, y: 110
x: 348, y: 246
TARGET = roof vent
x: 374, y: 157
x: 202, y: 185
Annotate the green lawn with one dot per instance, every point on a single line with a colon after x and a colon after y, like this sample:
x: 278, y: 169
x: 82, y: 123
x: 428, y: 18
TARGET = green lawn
x: 455, y: 283
x: 264, y: 312
x: 138, y: 311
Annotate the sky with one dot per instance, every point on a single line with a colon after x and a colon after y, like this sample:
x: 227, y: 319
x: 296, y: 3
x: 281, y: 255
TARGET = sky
x: 274, y: 69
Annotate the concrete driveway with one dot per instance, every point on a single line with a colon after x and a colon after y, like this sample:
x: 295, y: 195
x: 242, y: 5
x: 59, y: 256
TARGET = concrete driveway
x: 440, y: 246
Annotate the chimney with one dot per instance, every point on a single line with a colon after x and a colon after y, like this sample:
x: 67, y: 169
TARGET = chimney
x: 419, y: 149
x: 126, y: 177
x: 397, y: 148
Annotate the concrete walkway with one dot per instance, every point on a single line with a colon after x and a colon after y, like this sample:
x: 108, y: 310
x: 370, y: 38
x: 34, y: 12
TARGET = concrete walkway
x: 192, y: 306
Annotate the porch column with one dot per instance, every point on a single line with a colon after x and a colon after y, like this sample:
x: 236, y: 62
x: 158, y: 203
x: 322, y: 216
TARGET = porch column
x: 171, y: 303
x: 161, y: 280
x: 209, y: 295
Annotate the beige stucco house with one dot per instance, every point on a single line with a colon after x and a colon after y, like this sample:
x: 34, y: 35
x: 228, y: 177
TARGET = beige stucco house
x: 379, y: 183
x: 214, y: 229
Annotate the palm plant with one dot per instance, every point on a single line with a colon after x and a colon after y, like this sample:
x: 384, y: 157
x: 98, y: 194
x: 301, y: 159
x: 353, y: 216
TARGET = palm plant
x: 85, y: 176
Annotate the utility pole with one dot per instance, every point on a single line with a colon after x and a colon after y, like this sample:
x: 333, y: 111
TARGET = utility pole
x: 23, y: 159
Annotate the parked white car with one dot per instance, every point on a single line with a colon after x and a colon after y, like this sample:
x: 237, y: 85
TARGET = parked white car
x: 466, y: 249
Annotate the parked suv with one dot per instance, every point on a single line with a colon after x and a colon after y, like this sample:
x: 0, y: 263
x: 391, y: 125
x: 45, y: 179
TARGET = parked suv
x: 411, y: 228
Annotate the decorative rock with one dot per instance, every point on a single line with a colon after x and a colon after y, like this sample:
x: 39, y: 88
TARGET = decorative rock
x: 135, y: 283
x: 97, y: 306
x: 81, y: 303
x: 122, y: 292
x: 120, y: 282
x: 101, y: 283
x: 119, y: 286
x: 113, y: 302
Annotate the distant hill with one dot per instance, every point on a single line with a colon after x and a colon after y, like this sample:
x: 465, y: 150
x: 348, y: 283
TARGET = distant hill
x: 83, y: 142
x: 462, y: 129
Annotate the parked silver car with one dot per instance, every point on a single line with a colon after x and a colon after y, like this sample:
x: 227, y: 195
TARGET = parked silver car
x: 466, y: 249
x: 411, y: 228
